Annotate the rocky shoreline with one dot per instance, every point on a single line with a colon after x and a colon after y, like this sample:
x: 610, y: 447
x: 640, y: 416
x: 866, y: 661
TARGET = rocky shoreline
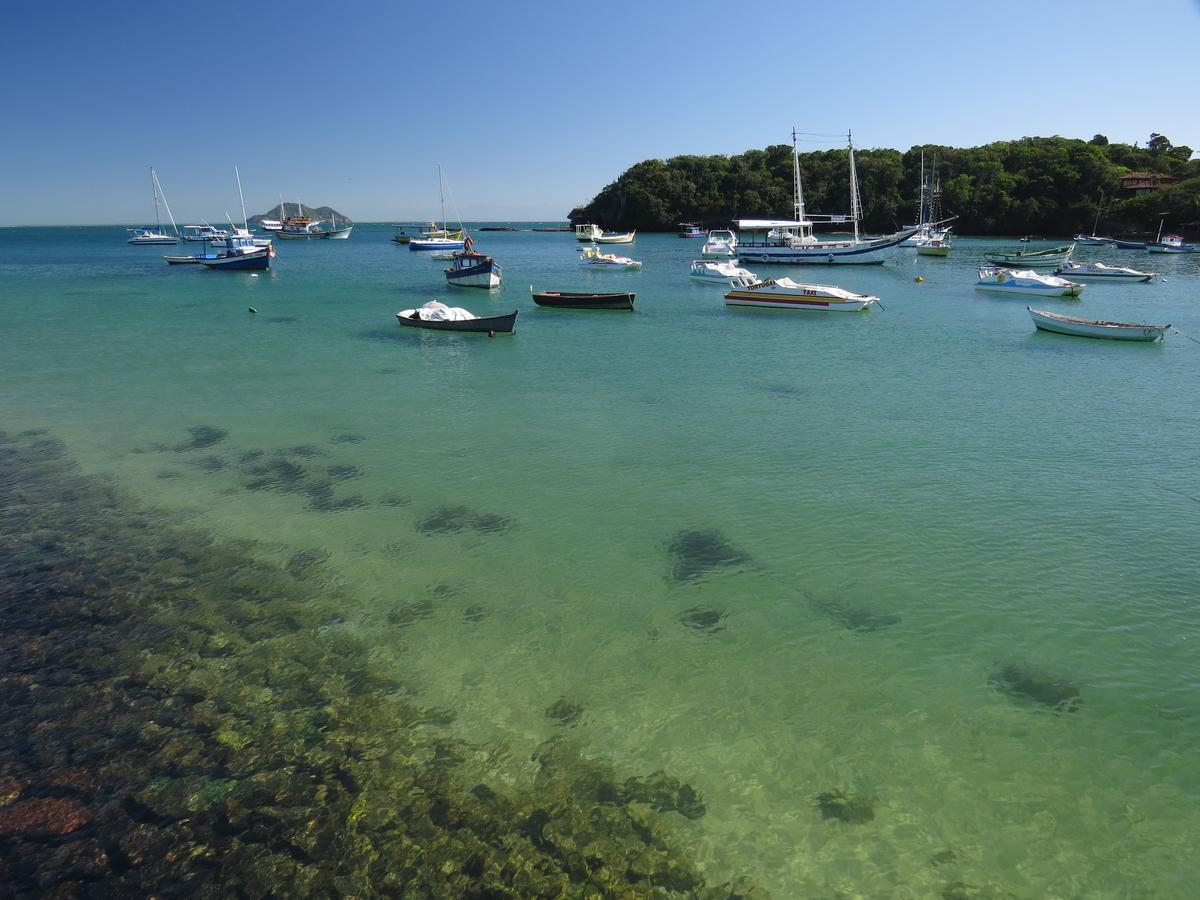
x: 179, y: 723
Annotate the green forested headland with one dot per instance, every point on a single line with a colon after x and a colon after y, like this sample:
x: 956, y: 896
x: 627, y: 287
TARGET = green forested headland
x: 1035, y: 185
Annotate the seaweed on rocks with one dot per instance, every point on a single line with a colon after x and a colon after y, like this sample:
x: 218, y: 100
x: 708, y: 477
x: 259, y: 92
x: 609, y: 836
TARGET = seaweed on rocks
x: 700, y: 553
x: 343, y: 472
x: 474, y: 614
x: 1038, y: 687
x: 395, y: 500
x: 177, y: 723
x: 348, y: 438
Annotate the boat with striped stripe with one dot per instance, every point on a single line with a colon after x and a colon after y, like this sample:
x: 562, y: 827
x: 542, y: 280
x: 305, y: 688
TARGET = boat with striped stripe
x: 783, y: 293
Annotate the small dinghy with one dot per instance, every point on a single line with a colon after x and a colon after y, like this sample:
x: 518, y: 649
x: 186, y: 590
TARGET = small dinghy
x: 437, y: 316
x: 726, y: 273
x: 583, y: 300
x: 783, y: 293
x: 1007, y: 281
x: 1096, y: 328
x: 1099, y: 272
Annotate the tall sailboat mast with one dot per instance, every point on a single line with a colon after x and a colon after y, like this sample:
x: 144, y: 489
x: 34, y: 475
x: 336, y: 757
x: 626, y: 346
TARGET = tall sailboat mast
x: 157, y: 191
x: 442, y: 197
x: 797, y: 185
x: 241, y: 197
x: 855, y: 200
x: 924, y: 192
x: 157, y: 214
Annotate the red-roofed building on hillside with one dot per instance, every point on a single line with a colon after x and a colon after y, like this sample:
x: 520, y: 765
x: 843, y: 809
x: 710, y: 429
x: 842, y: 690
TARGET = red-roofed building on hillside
x: 1134, y: 184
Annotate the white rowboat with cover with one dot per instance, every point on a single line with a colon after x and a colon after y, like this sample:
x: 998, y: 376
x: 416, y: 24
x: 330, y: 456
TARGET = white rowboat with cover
x: 723, y: 272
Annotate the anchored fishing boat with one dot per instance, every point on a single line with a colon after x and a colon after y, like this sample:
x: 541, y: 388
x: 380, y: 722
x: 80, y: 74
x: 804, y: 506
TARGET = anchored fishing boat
x: 783, y: 293
x: 1096, y: 328
x: 723, y: 272
x: 791, y: 241
x: 1007, y: 281
x: 588, y: 232
x: 1029, y: 259
x: 690, y: 230
x: 1172, y: 243
x: 471, y: 269
x: 240, y: 253
x: 1099, y: 272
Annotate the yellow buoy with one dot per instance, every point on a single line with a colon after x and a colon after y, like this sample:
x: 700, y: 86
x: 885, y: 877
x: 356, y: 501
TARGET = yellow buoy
x: 918, y: 279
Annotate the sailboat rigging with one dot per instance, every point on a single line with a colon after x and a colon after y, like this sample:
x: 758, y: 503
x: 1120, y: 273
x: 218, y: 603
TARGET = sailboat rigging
x: 157, y: 236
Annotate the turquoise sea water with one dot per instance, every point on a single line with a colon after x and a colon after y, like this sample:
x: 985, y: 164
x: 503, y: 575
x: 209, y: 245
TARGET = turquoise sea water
x: 926, y: 504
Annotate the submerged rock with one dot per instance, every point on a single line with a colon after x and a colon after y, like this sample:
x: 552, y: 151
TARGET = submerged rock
x: 664, y: 793
x: 348, y: 438
x: 699, y: 553
x: 395, y: 500
x: 455, y: 519
x: 1023, y: 684
x: 203, y: 436
x: 43, y: 817
x: 856, y: 618
x: 706, y: 620
x: 842, y: 807
x: 564, y: 711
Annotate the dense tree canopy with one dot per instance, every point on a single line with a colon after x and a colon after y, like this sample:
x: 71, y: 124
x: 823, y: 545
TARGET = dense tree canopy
x: 1037, y: 185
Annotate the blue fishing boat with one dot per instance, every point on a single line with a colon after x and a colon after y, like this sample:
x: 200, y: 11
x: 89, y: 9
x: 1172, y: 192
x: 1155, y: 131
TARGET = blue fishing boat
x: 240, y: 253
x: 471, y: 269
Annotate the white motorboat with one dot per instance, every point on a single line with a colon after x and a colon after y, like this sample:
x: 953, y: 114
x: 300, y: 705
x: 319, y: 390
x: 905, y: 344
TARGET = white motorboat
x: 592, y: 258
x: 1099, y: 272
x: 588, y: 233
x: 726, y: 272
x: 155, y: 235
x: 615, y: 237
x: 1008, y: 281
x: 1096, y: 328
x: 792, y: 242
x: 783, y: 293
x: 721, y: 244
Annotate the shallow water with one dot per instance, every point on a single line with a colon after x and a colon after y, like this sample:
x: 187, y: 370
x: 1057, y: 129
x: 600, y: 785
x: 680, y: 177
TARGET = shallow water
x: 778, y: 556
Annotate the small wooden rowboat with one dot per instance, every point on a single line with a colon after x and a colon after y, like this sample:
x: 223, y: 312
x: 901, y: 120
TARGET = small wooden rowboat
x: 486, y: 324
x: 584, y: 300
x: 1096, y: 328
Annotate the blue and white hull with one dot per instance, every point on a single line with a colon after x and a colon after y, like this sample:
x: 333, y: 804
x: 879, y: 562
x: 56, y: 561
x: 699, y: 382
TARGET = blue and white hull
x: 474, y: 271
x: 823, y: 253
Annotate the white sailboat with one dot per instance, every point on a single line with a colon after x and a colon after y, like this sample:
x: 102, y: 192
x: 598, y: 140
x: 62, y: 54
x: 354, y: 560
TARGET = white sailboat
x: 792, y: 242
x: 155, y: 236
x: 439, y: 239
x: 1092, y: 239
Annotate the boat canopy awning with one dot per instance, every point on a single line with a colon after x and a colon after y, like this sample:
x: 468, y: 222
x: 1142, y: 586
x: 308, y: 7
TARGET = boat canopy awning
x: 768, y: 224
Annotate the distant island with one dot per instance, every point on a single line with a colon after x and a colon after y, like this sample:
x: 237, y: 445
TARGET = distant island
x: 316, y: 213
x: 1035, y: 185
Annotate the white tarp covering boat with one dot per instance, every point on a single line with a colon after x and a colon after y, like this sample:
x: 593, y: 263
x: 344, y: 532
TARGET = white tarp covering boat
x: 783, y: 293
x: 1098, y: 271
x: 436, y: 311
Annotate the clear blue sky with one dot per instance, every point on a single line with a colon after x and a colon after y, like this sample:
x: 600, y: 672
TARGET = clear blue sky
x: 533, y: 107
